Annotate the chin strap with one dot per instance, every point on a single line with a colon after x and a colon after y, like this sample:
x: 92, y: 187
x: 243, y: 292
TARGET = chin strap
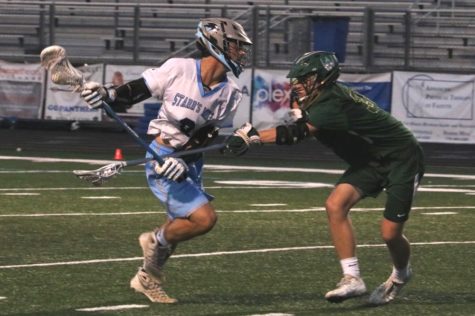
x: 309, y: 100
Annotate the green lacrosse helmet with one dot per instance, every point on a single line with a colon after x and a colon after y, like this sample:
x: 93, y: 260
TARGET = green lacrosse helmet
x: 323, y: 64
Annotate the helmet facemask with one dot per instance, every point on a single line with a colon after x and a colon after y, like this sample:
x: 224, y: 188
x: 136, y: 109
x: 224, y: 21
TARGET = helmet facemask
x: 306, y: 88
x: 237, y: 54
x: 227, y: 41
x: 310, y: 73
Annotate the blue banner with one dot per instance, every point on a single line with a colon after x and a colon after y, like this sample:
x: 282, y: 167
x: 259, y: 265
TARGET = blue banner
x: 376, y: 87
x: 379, y: 92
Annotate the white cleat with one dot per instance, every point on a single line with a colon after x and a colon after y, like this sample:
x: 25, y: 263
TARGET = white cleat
x: 348, y: 287
x: 150, y: 287
x: 388, y: 290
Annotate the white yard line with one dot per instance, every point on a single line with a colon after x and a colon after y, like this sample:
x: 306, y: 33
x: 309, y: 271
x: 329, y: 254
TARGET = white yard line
x: 81, y: 214
x: 104, y: 197
x: 46, y: 159
x: 260, y: 185
x: 33, y: 171
x: 73, y: 189
x: 277, y: 184
x: 230, y: 167
x: 445, y: 190
x: 272, y: 314
x: 440, y: 213
x: 111, y: 308
x: 222, y: 253
x: 20, y: 193
x: 300, y: 210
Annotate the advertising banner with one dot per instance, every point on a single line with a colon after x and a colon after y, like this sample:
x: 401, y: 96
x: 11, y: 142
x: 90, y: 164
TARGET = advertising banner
x: 376, y: 87
x: 62, y: 103
x: 272, y: 93
x: 436, y: 107
x: 271, y: 98
x: 120, y: 74
x: 21, y: 90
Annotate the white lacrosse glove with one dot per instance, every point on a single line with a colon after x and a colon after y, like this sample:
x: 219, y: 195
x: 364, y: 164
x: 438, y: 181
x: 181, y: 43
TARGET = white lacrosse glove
x: 242, y: 139
x: 173, y: 168
x: 94, y: 94
x: 295, y: 115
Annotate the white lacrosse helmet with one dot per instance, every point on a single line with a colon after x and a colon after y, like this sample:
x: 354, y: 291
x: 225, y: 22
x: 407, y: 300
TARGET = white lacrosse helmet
x: 215, y: 34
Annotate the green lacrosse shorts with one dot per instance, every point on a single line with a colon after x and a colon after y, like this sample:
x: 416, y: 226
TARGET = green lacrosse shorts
x: 399, y: 177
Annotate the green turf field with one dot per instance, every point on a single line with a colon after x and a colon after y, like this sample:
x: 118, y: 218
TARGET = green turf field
x: 67, y: 246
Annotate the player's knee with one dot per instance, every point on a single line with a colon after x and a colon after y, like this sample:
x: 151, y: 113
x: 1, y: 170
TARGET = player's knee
x: 210, y: 221
x: 205, y: 220
x: 391, y: 236
x: 335, y: 210
x: 392, y: 232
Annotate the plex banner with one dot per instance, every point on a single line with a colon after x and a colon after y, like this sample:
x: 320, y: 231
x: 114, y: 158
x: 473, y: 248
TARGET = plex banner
x: 271, y: 98
x: 437, y: 108
x: 271, y: 94
x: 62, y: 103
x: 21, y: 90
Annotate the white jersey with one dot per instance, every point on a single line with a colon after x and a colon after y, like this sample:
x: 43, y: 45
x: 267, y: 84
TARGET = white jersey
x: 186, y: 106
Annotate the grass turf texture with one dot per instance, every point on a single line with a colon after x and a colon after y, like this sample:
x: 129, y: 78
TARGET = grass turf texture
x: 291, y: 281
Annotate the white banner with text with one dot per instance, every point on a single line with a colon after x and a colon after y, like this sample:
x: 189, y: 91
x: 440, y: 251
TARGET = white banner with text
x: 437, y: 108
x: 21, y: 90
x: 62, y: 103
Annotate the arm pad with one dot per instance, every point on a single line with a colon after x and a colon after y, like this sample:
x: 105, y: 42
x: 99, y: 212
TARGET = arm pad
x: 130, y: 93
x: 291, y: 134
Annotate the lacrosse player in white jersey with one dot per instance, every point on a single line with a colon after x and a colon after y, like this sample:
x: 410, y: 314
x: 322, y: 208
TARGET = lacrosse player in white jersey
x: 197, y: 98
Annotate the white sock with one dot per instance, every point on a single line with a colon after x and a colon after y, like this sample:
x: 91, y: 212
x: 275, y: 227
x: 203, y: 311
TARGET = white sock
x: 400, y: 274
x: 350, y: 266
x: 161, y: 238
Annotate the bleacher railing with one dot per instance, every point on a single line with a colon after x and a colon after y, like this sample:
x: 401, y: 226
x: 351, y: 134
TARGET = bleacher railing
x: 382, y: 35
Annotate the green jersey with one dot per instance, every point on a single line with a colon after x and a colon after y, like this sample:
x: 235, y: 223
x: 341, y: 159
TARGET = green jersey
x: 355, y: 128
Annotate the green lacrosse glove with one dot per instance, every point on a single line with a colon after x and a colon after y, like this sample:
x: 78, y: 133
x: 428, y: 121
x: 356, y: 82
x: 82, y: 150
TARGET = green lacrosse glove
x: 242, y: 139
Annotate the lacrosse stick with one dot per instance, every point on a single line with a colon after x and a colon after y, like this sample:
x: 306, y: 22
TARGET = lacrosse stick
x: 99, y: 176
x: 55, y: 60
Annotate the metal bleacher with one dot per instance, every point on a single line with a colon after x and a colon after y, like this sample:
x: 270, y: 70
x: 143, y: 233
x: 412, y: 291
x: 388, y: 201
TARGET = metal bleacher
x: 427, y: 35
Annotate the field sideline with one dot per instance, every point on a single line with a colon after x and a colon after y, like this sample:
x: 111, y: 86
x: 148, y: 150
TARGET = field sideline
x: 70, y: 249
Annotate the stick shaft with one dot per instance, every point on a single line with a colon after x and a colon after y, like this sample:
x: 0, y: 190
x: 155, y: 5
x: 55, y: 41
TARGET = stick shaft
x: 175, y: 154
x: 139, y: 140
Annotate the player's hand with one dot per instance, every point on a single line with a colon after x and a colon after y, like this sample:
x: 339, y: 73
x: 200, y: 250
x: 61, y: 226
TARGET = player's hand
x: 295, y: 116
x: 242, y: 139
x: 173, y: 168
x: 94, y: 94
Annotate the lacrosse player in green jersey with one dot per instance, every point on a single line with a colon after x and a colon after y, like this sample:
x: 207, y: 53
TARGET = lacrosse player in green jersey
x: 381, y: 153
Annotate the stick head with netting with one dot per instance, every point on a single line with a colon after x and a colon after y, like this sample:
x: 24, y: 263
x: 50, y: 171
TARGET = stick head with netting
x: 99, y: 176
x: 55, y: 59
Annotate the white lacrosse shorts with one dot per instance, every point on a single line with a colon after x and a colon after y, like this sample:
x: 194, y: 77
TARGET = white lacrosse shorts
x: 180, y: 199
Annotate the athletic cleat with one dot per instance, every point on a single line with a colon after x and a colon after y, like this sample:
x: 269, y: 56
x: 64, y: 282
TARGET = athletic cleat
x: 348, y: 287
x: 154, y: 255
x: 388, y: 290
x: 143, y: 283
